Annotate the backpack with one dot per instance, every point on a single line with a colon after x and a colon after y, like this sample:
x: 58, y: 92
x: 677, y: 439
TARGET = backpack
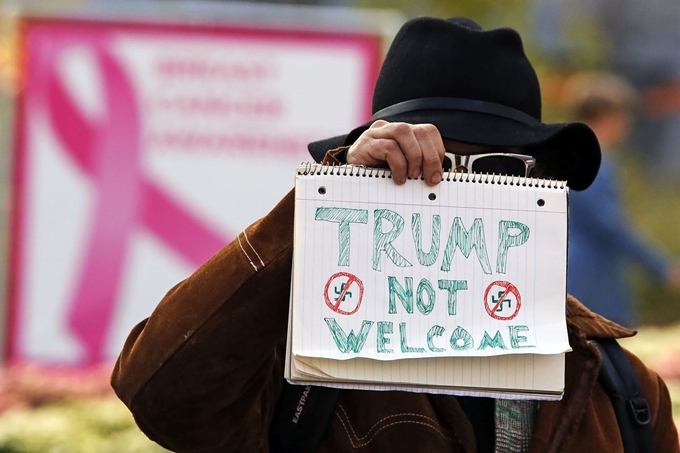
x: 619, y: 380
x: 305, y: 411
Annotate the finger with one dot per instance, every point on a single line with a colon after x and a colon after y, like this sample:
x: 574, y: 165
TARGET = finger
x: 403, y: 134
x: 406, y: 148
x: 432, y: 148
x: 375, y: 152
x: 378, y: 123
x: 388, y: 143
x: 422, y: 147
x: 396, y: 160
x: 371, y: 149
x: 408, y: 137
x: 366, y: 150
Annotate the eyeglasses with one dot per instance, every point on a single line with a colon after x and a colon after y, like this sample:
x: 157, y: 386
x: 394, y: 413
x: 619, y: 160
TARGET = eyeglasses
x: 491, y: 163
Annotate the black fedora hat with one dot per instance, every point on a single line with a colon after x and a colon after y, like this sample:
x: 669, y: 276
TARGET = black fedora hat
x: 477, y: 86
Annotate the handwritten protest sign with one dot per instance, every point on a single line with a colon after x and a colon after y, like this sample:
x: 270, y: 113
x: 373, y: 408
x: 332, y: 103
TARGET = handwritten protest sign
x: 473, y: 267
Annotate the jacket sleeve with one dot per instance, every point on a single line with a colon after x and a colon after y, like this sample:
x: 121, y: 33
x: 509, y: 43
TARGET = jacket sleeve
x: 203, y: 373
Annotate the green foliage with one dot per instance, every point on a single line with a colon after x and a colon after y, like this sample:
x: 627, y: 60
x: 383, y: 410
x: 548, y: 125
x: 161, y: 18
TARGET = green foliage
x: 489, y: 13
x: 78, y: 426
x: 653, y: 209
x: 65, y: 410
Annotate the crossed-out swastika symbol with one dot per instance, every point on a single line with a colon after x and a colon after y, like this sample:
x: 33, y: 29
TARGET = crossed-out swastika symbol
x: 342, y: 282
x: 495, y: 304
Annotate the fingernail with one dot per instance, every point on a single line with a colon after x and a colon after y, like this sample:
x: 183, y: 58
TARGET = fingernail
x: 436, y: 178
x: 415, y: 173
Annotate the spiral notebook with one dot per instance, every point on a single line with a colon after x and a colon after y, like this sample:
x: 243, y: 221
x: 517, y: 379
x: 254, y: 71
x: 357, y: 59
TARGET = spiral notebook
x: 458, y: 288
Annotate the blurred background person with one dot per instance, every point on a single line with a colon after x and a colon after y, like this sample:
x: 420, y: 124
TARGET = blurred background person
x: 601, y: 241
x: 639, y: 40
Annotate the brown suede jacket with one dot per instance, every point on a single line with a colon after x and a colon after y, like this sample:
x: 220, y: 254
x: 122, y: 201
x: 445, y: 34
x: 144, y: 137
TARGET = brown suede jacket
x: 204, y: 372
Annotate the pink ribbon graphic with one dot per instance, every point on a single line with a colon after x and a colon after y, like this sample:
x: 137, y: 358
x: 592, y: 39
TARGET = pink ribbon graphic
x: 108, y: 151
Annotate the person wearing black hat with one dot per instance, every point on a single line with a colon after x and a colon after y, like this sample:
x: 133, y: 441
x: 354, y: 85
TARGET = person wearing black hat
x: 204, y: 371
x: 475, y: 87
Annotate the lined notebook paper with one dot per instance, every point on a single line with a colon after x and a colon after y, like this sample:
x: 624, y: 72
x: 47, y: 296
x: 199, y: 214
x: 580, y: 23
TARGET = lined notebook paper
x: 458, y: 288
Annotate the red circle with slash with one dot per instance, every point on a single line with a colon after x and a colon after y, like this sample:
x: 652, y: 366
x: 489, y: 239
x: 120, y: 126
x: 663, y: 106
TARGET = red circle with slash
x: 507, y: 288
x: 348, y: 285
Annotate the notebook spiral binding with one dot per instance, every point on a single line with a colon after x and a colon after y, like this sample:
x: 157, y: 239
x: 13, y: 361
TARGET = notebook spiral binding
x: 313, y: 168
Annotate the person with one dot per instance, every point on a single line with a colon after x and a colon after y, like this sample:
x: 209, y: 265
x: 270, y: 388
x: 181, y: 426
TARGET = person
x: 205, y: 371
x: 601, y: 242
x: 637, y: 40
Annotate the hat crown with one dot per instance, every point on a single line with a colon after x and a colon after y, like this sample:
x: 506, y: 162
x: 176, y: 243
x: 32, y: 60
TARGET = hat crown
x: 456, y: 58
x: 476, y: 86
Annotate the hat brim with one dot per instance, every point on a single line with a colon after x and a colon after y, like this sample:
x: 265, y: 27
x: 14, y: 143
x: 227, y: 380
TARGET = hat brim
x: 575, y: 139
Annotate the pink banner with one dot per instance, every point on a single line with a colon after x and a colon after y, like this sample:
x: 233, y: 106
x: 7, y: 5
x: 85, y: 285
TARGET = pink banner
x: 164, y: 112
x: 108, y: 153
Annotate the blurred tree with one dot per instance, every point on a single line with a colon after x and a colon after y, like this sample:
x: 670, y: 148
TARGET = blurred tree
x: 489, y: 13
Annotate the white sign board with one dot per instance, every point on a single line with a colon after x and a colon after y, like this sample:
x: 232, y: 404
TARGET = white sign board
x: 144, y: 148
x: 475, y: 266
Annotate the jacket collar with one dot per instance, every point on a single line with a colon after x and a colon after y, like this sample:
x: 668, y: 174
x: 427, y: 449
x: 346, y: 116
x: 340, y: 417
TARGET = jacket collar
x: 592, y: 325
x: 557, y: 421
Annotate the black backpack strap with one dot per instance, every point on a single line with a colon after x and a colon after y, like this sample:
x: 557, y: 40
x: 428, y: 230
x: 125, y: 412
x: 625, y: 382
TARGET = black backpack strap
x: 619, y: 380
x: 301, y: 418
